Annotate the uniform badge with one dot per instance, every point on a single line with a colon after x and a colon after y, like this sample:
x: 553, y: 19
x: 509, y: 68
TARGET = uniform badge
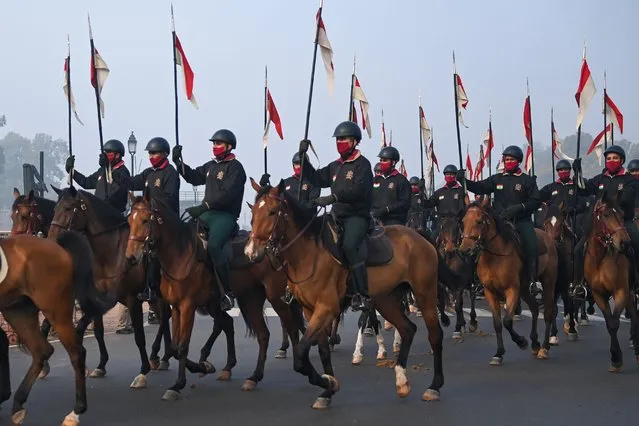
x: 601, y: 186
x: 334, y: 177
x: 376, y: 185
x: 100, y: 177
x: 620, y: 187
x: 571, y: 191
x: 220, y: 175
x: 157, y: 183
x: 349, y: 175
x: 419, y: 201
x: 499, y: 187
x: 555, y: 192
x: 305, y: 187
x: 391, y: 185
x: 456, y: 196
x: 518, y: 187
x: 208, y: 172
x: 441, y: 197
x: 288, y: 187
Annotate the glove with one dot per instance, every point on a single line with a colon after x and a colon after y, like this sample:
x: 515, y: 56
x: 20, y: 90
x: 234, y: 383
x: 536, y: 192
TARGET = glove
x: 379, y: 212
x: 177, y: 155
x: 511, y: 211
x: 422, y: 183
x: 103, y: 160
x: 70, y: 164
x: 324, y: 201
x: 265, y: 179
x: 304, y: 144
x: 576, y: 165
x: 461, y: 175
x: 196, y: 211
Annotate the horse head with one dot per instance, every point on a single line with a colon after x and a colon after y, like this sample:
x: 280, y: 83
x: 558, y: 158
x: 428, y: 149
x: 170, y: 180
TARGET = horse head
x: 608, y: 227
x: 69, y: 212
x: 555, y: 221
x: 139, y: 220
x: 449, y: 234
x: 476, y: 224
x: 25, y: 218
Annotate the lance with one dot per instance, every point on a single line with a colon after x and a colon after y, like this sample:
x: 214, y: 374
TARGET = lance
x: 351, y: 107
x: 432, y: 163
x: 459, y: 146
x: 68, y: 67
x: 552, y: 142
x: 532, y: 150
x: 107, y: 170
x: 310, y: 92
x: 490, y: 141
x: 421, y: 136
x: 265, y: 116
x: 175, y: 88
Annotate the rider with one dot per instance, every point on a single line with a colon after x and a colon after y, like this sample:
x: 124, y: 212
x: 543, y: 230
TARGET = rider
x: 292, y: 183
x: 450, y: 200
x: 618, y: 185
x: 391, y: 190
x: 162, y: 182
x: 377, y: 170
x: 562, y: 190
x: 633, y: 169
x: 516, y: 198
x: 115, y: 194
x: 224, y: 178
x: 351, y: 181
x: 417, y: 214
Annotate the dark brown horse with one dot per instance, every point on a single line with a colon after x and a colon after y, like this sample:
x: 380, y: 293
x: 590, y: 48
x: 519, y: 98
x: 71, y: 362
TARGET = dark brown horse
x: 36, y: 275
x: 107, y: 232
x: 284, y: 230
x: 500, y: 268
x: 30, y: 214
x: 607, y: 271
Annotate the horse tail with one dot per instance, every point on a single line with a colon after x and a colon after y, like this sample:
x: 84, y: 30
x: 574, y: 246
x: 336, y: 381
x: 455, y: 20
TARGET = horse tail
x: 92, y: 302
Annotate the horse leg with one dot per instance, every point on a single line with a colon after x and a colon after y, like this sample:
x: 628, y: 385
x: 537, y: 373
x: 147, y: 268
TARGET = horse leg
x: 493, y: 303
x: 631, y: 309
x: 335, y: 338
x: 612, y: 324
x: 288, y: 322
x: 165, y: 331
x: 205, y: 352
x: 45, y: 328
x: 319, y: 321
x: 226, y: 322
x: 5, y: 377
x: 183, y: 318
x: 550, y: 313
x: 379, y: 338
x: 98, y: 331
x: 554, y: 339
x: 253, y: 308
x: 534, y: 310
x: 359, y: 344
x: 459, y: 312
x: 135, y: 310
x: 473, y: 314
x: 281, y: 352
x: 512, y: 297
x: 391, y: 309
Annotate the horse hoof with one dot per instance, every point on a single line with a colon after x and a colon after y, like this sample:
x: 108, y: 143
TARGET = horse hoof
x: 614, y: 368
x: 98, y: 373
x: 457, y: 335
x: 139, y: 382
x: 472, y: 327
x: 381, y: 356
x: 86, y: 372
x: 554, y: 340
x: 387, y: 325
x: 154, y: 363
x: 248, y: 385
x: 357, y: 359
x: 403, y: 390
x: 516, y: 317
x: 71, y: 419
x: 171, y: 395
x: 45, y: 370
x: 396, y: 348
x: 280, y: 354
x: 542, y: 354
x: 535, y: 352
x: 321, y: 403
x: 225, y: 376
x: 496, y: 360
x: 573, y: 337
x: 18, y: 417
x: 430, y: 395
x: 333, y: 383
x: 584, y: 322
x: 566, y: 328
x: 163, y: 366
x: 523, y: 344
x: 207, y: 368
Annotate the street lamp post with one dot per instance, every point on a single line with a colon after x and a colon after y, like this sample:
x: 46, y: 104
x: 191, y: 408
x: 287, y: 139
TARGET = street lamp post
x: 133, y: 145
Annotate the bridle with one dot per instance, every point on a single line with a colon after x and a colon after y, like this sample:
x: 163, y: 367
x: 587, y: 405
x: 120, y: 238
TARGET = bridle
x: 604, y: 233
x: 34, y: 219
x: 75, y: 213
x: 480, y: 243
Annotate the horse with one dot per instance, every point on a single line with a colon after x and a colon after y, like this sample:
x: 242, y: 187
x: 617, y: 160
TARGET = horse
x: 41, y: 275
x: 107, y: 232
x: 30, y: 214
x: 500, y: 268
x: 188, y: 283
x: 446, y: 244
x: 368, y: 319
x: 607, y: 270
x: 398, y: 261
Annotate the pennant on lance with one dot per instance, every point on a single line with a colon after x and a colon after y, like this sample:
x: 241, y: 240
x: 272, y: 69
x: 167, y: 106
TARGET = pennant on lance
x: 585, y: 91
x: 613, y: 114
x: 272, y: 116
x: 358, y: 95
x: 598, y: 142
x: 68, y: 93
x: 326, y: 50
x: 187, y: 71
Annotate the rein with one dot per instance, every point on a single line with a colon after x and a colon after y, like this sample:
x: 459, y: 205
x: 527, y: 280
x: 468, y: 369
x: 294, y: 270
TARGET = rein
x: 34, y: 220
x: 480, y: 245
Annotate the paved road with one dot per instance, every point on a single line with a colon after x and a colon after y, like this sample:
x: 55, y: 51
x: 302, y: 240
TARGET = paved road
x: 572, y: 387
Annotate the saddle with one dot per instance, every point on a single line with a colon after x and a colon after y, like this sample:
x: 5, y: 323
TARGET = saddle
x: 376, y: 249
x: 233, y: 249
x: 543, y: 249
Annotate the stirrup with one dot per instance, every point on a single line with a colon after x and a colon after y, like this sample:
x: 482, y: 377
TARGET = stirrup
x: 287, y: 297
x: 227, y: 302
x: 578, y: 292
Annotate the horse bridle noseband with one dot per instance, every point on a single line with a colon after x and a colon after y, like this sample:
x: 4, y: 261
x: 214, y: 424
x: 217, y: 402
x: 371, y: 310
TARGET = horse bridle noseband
x: 34, y: 220
x: 605, y: 234
x: 480, y: 245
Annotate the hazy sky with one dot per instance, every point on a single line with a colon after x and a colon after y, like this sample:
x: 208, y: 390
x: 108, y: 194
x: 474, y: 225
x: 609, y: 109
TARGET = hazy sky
x: 402, y: 47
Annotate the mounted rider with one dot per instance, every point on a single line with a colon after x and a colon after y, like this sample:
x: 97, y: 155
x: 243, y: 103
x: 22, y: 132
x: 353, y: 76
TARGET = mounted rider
x: 417, y: 213
x: 292, y: 184
x: 224, y: 178
x: 162, y: 183
x: 115, y: 194
x: 618, y: 185
x: 563, y: 190
x: 391, y: 190
x: 516, y: 198
x: 350, y: 178
x: 449, y: 200
x: 633, y: 169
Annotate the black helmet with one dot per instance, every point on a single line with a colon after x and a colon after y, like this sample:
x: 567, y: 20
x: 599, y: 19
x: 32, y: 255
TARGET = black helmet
x: 224, y: 135
x: 114, y: 145
x: 633, y: 165
x: 616, y: 149
x: 563, y: 164
x: 158, y: 144
x: 450, y: 169
x: 378, y: 168
x: 348, y: 129
x: 390, y: 153
x: 296, y: 158
x: 515, y: 152
x: 414, y: 180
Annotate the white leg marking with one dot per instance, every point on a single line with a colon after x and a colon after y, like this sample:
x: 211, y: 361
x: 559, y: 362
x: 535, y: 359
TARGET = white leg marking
x: 400, y: 376
x: 4, y: 266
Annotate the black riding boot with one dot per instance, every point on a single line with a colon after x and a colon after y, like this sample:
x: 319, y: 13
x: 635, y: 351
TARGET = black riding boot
x: 152, y: 275
x: 360, y: 300
x: 227, y: 301
x: 534, y: 289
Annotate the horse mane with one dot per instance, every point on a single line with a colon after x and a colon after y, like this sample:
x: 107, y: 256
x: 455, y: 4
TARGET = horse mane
x: 180, y: 231
x: 504, y: 229
x: 105, y: 214
x: 45, y: 206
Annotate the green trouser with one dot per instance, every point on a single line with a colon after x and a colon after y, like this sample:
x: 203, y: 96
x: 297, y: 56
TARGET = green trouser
x: 221, y: 225
x: 529, y: 245
x: 355, y: 230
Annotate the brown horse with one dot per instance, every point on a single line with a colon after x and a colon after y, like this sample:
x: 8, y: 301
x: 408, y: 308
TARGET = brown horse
x: 107, y: 232
x: 285, y: 231
x: 607, y: 271
x: 500, y: 268
x: 30, y: 214
x: 41, y: 275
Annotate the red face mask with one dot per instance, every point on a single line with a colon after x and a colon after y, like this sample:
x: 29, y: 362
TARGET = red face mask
x: 156, y: 161
x: 511, y: 166
x: 414, y: 189
x: 613, y: 165
x: 449, y: 179
x: 111, y: 157
x: 564, y: 175
x: 297, y: 170
x: 385, y: 168
x: 344, y: 148
x: 636, y: 175
x: 219, y: 151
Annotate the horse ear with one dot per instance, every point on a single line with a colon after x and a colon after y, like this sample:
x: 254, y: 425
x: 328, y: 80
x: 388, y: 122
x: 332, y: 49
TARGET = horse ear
x: 485, y: 202
x: 256, y: 186
x: 16, y: 193
x: 276, y: 190
x: 31, y: 195
x: 56, y: 190
x: 73, y: 191
x: 249, y: 205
